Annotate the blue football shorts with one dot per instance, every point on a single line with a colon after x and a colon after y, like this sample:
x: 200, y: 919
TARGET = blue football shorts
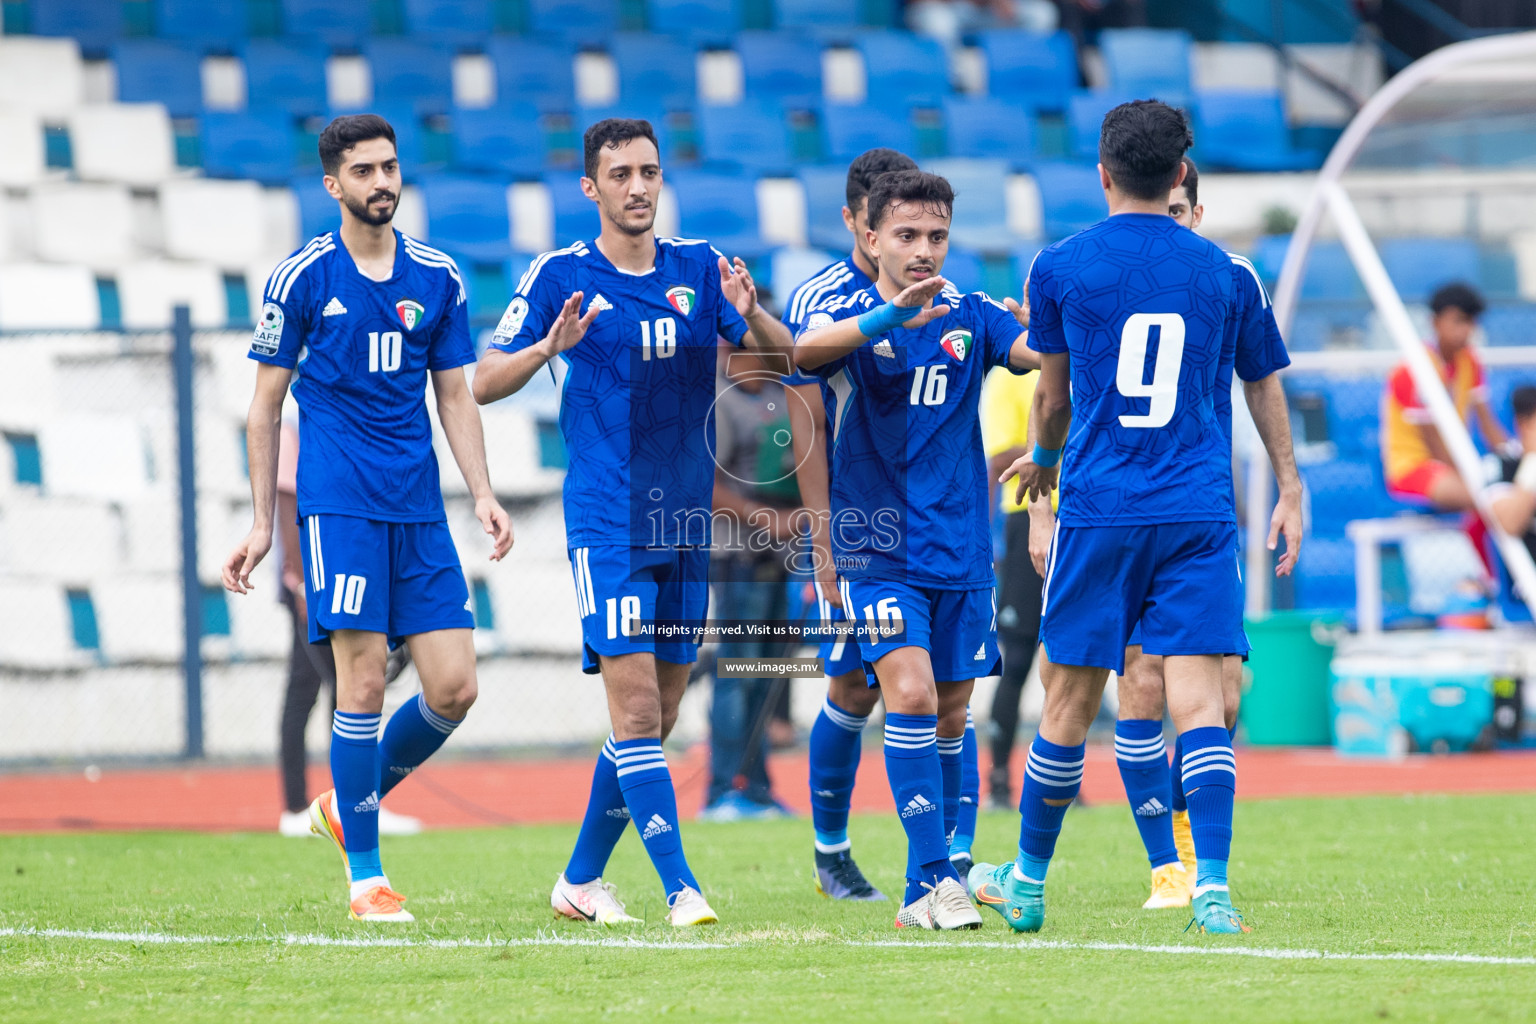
x: 623, y: 593
x: 398, y: 579
x: 840, y: 654
x: 1135, y: 640
x: 958, y: 628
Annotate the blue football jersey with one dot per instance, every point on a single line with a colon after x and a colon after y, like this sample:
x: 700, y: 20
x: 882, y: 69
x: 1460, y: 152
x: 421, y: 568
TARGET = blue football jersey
x: 909, y: 476
x: 1148, y: 312
x: 639, y: 388
x: 361, y: 350
x: 835, y: 280
x: 1256, y: 349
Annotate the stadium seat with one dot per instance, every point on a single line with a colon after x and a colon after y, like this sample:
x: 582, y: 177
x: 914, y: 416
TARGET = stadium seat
x: 512, y: 453
x: 985, y: 127
x: 1150, y: 63
x: 575, y: 216
x: 89, y: 223
x: 964, y: 269
x: 1071, y: 198
x: 1085, y: 117
x: 1510, y: 324
x: 903, y: 70
x: 468, y: 217
x: 654, y: 69
x: 580, y: 21
x: 149, y: 290
x: 1330, y: 275
x: 1325, y: 577
x: 91, y: 455
x: 139, y: 618
x: 40, y: 296
x: 69, y: 540
x: 1246, y: 131
x: 254, y: 144
x: 407, y: 73
x: 1418, y: 266
x: 980, y: 218
x: 826, y: 191
x: 214, y: 23
x: 218, y: 222
x: 701, y: 21
x: 788, y: 266
x: 1038, y: 72
x: 285, y: 75
x: 816, y: 14
x: 853, y: 129
x: 126, y: 142
x: 529, y: 71
x: 37, y: 633
x: 156, y: 71
x: 409, y: 134
x: 461, y: 22
x: 1338, y: 491
x: 95, y: 24
x: 780, y: 66
x: 44, y: 76
x: 747, y: 135
x: 501, y: 140
x: 720, y: 207
x: 334, y: 22
x: 23, y: 158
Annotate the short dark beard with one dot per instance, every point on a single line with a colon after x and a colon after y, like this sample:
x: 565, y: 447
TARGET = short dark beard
x: 633, y: 232
x: 365, y: 213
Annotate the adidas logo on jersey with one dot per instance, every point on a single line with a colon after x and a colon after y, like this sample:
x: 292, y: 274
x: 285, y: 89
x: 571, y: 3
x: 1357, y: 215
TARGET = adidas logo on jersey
x: 918, y: 805
x: 883, y: 348
x: 981, y: 652
x: 333, y: 308
x: 655, y: 827
x: 598, y: 302
x: 368, y: 805
x: 1151, y: 809
x: 621, y: 813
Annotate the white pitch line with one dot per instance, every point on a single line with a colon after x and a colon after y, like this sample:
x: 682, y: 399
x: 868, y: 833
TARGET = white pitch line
x: 618, y: 942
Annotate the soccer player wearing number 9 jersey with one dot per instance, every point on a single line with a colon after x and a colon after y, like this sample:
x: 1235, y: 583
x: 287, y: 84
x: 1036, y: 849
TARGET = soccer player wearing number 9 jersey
x: 1146, y: 530
x: 636, y: 321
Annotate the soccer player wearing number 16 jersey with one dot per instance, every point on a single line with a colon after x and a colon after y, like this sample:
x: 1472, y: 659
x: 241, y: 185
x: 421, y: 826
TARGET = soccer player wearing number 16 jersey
x: 636, y: 320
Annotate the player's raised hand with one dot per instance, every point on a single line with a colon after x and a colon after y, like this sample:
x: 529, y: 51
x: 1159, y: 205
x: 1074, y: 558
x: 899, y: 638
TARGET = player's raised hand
x: 737, y: 285
x: 570, y: 325
x: 1019, y: 307
x: 1286, y: 522
x: 1035, y: 481
x: 497, y: 524
x: 243, y: 560
x: 921, y: 294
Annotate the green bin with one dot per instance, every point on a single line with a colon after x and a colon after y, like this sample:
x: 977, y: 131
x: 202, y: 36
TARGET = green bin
x: 1285, y: 683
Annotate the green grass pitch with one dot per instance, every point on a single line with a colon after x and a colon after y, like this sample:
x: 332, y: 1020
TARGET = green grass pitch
x: 1368, y: 878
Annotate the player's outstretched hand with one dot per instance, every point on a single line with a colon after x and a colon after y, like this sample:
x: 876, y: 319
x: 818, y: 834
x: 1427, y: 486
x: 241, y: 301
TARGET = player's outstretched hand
x: 739, y: 288
x: 236, y: 573
x: 921, y: 294
x: 570, y: 326
x: 1286, y: 522
x: 1035, y: 482
x: 497, y: 523
x: 1019, y: 307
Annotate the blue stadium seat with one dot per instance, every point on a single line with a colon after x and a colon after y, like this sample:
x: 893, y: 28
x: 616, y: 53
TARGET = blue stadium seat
x: 575, y: 214
x: 719, y: 207
x: 97, y: 24
x: 318, y: 212
x: 853, y: 129
x: 1499, y: 273
x: 1085, y: 116
x: 989, y: 128
x: 1039, y: 72
x: 286, y: 74
x: 214, y: 23
x: 581, y: 21
x: 1022, y: 258
x: 964, y: 269
x: 1150, y: 63
x: 407, y: 72
x: 655, y: 113
x: 467, y: 217
x: 826, y: 190
x: 156, y: 71
x: 1339, y: 491
x: 1418, y: 266
x: 903, y: 70
x: 451, y: 21
x: 1071, y: 198
x: 1325, y: 576
x: 654, y: 69
x: 533, y: 72
x: 1510, y: 324
x: 334, y: 22
x: 507, y: 140
x: 980, y: 218
x: 1247, y: 131
x: 409, y: 141
x: 1329, y: 275
x: 752, y: 136
x: 253, y: 143
x: 816, y: 14
x: 782, y: 66
x: 701, y: 21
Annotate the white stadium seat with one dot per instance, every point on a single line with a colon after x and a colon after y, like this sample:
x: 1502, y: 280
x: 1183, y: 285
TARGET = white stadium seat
x: 89, y: 455
x: 83, y: 223
x: 45, y: 76
x: 11, y: 234
x: 535, y: 605
x: 127, y: 142
x: 37, y: 631
x: 28, y: 383
x: 149, y: 291
x: 139, y: 617
x: 259, y: 624
x: 218, y: 222
x: 61, y: 539
x: 512, y: 453
x: 22, y: 158
x: 1235, y: 67
x: 40, y: 297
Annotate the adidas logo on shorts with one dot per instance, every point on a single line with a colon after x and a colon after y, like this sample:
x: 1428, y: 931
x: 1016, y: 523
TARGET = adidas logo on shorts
x: 655, y: 827
x: 1151, y: 809
x: 981, y: 652
x: 918, y: 805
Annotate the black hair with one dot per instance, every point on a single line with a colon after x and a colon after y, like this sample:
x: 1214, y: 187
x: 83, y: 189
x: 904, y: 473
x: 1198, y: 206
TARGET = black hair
x: 868, y: 166
x: 613, y: 131
x: 1191, y: 182
x: 347, y: 131
x: 1141, y: 145
x: 1523, y: 401
x: 1458, y: 295
x: 930, y: 191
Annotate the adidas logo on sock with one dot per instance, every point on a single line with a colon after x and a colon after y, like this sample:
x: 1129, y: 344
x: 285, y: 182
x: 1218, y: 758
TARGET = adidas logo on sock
x: 655, y: 827
x: 883, y: 348
x: 618, y: 812
x: 918, y: 805
x: 401, y: 769
x: 1151, y: 809
x: 824, y: 793
x: 368, y: 805
x: 333, y: 308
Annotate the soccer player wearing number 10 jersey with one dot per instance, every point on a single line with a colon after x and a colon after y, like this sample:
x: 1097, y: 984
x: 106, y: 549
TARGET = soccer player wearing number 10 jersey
x: 1146, y: 530
x: 636, y: 321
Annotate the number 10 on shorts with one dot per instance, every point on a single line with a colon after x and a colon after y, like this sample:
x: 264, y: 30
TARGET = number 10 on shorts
x: 349, y: 594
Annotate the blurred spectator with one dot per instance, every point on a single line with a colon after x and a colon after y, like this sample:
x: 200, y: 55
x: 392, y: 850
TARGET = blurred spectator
x: 1083, y: 19
x: 949, y: 21
x: 1417, y: 464
x: 1513, y: 496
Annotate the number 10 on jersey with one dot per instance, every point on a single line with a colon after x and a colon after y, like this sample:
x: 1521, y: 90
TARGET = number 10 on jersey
x: 383, y: 351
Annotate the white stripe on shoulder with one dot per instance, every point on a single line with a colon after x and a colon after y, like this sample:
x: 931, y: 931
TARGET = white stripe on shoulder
x: 816, y: 288
x: 430, y: 257
x: 532, y: 273
x: 293, y: 273
x: 987, y: 298
x: 280, y: 272
x: 1244, y: 262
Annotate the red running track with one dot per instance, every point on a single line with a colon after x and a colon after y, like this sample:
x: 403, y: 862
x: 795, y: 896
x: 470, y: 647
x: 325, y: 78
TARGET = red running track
x: 450, y: 794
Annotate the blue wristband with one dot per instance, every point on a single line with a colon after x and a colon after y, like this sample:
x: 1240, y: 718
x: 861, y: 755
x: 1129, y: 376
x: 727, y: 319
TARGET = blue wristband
x: 1045, y: 458
x: 885, y: 318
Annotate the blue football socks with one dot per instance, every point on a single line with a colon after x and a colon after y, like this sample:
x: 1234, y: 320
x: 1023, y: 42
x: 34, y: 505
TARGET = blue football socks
x: 647, y: 784
x: 1210, y: 783
x: 603, y: 825
x: 836, y: 742
x: 1142, y: 757
x: 1052, y: 776
x: 917, y: 783
x: 970, y: 791
x: 355, y: 774
x: 413, y: 734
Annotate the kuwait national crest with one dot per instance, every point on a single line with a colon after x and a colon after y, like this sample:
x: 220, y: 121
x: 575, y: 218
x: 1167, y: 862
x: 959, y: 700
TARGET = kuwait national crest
x: 410, y: 312
x: 681, y: 297
x: 957, y: 344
